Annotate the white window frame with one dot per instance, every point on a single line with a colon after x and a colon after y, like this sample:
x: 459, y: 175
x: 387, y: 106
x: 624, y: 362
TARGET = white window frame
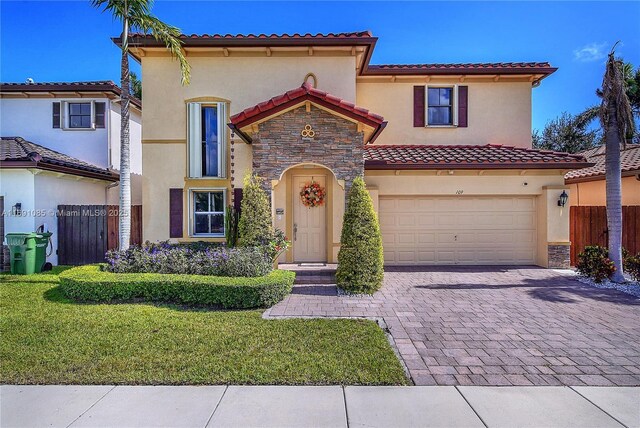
x: 65, y: 115
x: 194, y: 139
x: 192, y: 212
x: 454, y: 105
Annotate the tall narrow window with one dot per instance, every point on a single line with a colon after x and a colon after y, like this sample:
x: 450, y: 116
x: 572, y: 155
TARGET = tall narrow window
x: 210, y: 141
x: 207, y: 139
x: 208, y: 213
x: 100, y: 114
x: 440, y: 106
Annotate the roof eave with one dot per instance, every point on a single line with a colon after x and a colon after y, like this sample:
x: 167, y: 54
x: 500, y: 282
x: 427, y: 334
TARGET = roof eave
x: 598, y: 177
x: 301, y: 100
x: 45, y: 166
x: 376, y: 71
x: 383, y: 165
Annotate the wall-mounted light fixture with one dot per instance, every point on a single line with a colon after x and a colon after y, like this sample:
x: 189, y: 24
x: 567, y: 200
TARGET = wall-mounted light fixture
x: 17, y: 209
x: 562, y: 201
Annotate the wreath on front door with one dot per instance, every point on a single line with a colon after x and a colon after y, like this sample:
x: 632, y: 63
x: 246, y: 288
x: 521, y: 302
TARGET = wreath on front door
x: 312, y: 194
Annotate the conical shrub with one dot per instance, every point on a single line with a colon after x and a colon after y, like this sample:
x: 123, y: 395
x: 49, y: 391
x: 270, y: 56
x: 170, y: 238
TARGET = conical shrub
x: 255, y: 227
x: 360, y: 259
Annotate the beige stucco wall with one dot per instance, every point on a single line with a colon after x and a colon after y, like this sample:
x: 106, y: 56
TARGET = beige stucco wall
x: 499, y: 113
x: 593, y: 193
x: 244, y: 81
x: 165, y: 165
x: 469, y: 182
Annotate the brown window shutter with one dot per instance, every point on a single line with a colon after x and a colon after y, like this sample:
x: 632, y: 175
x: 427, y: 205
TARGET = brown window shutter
x: 237, y: 199
x: 100, y: 113
x: 463, y: 110
x: 175, y: 213
x: 418, y: 106
x: 56, y: 115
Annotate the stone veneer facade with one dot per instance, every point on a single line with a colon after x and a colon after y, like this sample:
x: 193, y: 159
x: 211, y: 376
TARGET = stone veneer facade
x: 337, y: 144
x: 559, y: 256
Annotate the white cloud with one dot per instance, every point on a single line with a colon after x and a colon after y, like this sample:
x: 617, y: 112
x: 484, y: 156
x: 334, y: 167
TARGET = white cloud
x: 590, y: 52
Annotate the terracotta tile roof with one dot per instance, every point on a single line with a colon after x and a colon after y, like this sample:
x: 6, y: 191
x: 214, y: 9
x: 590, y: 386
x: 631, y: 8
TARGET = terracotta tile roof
x: 357, y: 38
x: 629, y: 160
x: 18, y: 152
x: 307, y: 93
x: 263, y: 36
x: 92, y: 86
x: 463, y: 68
x: 363, y: 38
x: 488, y: 156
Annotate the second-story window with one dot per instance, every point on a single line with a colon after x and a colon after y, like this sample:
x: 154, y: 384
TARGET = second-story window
x: 439, y: 106
x: 210, y: 141
x: 80, y: 115
x: 207, y: 139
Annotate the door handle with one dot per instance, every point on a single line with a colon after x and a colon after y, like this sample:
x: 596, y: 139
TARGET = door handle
x: 295, y: 231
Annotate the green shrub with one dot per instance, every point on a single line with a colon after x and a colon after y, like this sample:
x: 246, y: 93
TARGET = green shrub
x: 594, y: 263
x: 93, y: 284
x: 193, y: 259
x: 255, y: 227
x: 632, y: 266
x: 231, y: 226
x: 360, y: 259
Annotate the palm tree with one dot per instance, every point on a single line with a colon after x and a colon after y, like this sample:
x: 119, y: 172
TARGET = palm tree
x: 135, y: 15
x: 617, y: 121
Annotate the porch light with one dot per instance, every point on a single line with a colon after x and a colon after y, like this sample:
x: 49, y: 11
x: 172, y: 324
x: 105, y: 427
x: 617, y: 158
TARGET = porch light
x: 562, y: 201
x: 17, y: 209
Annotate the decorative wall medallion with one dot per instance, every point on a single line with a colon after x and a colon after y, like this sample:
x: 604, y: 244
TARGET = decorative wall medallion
x: 308, y: 132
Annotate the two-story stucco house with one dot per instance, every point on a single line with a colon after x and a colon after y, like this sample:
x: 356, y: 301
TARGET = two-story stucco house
x: 61, y: 145
x: 445, y: 149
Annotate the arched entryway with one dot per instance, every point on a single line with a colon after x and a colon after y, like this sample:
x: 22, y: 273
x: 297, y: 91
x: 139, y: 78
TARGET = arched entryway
x: 314, y: 231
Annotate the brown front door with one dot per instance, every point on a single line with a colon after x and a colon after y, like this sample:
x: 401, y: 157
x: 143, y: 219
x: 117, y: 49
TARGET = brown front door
x: 309, y: 224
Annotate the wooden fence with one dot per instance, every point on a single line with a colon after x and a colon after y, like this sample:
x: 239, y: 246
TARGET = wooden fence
x: 87, y: 232
x: 588, y: 226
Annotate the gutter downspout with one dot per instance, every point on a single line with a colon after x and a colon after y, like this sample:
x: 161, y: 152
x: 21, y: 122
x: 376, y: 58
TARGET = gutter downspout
x: 106, y: 190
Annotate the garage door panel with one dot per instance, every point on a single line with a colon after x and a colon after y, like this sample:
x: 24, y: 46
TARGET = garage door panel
x: 406, y: 220
x: 426, y: 238
x: 426, y: 220
x: 387, y: 221
x: 461, y: 230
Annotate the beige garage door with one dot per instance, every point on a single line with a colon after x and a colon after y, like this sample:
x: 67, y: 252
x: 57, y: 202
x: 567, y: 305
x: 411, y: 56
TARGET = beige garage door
x: 458, y: 230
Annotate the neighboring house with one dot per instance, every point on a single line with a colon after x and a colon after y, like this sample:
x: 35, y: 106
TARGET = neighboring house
x: 588, y: 185
x: 61, y: 145
x: 445, y: 149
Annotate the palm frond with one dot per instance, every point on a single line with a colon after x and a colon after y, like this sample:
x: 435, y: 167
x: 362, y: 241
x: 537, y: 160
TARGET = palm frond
x: 587, y: 116
x: 614, y: 95
x: 167, y: 34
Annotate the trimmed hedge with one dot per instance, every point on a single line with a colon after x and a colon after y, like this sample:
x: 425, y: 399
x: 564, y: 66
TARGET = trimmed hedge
x: 92, y: 284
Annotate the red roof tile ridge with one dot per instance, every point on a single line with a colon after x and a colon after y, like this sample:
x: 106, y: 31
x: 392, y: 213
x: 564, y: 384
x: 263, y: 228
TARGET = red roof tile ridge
x: 467, y: 65
x: 353, y: 34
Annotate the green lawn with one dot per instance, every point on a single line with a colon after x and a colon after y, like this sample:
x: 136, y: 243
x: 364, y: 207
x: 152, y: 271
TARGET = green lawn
x: 48, y: 339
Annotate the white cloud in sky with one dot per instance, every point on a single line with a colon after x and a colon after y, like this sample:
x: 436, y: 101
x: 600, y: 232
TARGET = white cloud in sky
x: 590, y: 52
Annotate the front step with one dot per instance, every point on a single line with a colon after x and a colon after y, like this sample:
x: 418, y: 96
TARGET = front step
x: 305, y: 274
x: 315, y: 279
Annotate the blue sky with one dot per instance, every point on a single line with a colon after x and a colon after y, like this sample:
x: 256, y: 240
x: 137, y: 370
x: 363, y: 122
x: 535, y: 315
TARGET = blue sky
x: 65, y: 41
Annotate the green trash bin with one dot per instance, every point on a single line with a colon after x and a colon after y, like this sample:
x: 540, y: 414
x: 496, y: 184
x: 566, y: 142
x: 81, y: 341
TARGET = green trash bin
x: 28, y: 252
x: 42, y: 241
x: 22, y: 248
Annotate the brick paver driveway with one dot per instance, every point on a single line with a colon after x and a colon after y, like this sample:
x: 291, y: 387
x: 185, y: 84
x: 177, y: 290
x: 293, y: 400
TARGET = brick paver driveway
x: 493, y: 325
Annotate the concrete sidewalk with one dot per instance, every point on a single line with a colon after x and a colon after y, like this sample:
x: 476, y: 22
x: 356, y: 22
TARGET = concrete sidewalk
x: 318, y: 406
